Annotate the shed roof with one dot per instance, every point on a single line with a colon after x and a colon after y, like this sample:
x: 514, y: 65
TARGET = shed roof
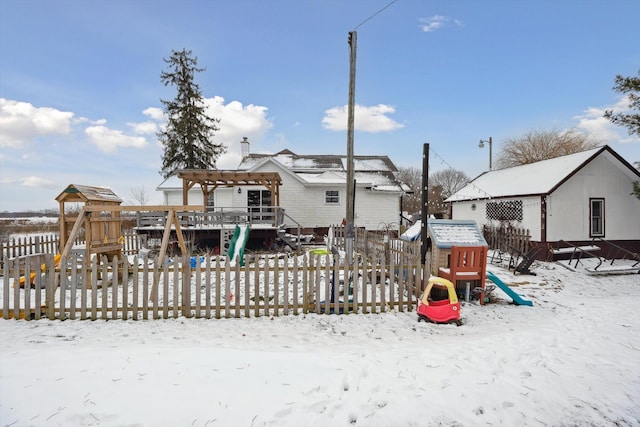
x: 86, y: 193
x: 532, y: 179
x: 446, y: 233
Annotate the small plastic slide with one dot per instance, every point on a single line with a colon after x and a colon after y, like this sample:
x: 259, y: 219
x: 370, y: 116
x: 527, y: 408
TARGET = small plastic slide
x: 517, y: 299
x: 238, y: 242
x: 43, y: 267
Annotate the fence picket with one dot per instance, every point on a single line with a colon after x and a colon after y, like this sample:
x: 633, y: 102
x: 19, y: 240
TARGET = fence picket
x: 247, y: 287
x: 296, y: 281
x: 94, y: 288
x: 16, y: 290
x: 236, y: 281
x: 265, y: 281
x: 135, y: 298
x: 125, y: 288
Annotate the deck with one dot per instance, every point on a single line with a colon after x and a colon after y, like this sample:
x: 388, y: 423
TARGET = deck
x: 268, y: 217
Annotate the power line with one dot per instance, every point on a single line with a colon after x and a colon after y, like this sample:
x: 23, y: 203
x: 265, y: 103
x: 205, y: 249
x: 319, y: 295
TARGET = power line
x: 372, y: 16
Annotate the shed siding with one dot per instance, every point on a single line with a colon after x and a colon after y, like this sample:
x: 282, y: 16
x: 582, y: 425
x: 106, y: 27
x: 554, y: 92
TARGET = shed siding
x: 530, y: 213
x: 568, y: 206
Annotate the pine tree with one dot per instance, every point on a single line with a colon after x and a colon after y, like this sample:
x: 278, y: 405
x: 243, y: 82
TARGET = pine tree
x: 188, y: 136
x: 630, y: 86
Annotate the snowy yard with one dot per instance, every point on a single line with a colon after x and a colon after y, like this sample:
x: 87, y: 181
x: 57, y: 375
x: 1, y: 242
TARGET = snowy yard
x: 571, y: 359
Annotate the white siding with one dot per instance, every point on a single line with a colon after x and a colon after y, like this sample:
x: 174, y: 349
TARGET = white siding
x: 306, y: 203
x: 568, y: 206
x: 375, y: 210
x: 174, y: 197
x: 530, y: 213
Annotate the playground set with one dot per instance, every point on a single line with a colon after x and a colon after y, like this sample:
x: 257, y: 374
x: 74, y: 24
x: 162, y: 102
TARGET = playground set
x: 459, y: 270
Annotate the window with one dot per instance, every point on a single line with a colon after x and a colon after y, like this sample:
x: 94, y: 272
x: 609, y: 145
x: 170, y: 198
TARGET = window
x: 259, y: 203
x: 331, y: 197
x: 596, y: 217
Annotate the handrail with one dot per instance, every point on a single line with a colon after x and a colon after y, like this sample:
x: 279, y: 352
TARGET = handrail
x: 635, y: 256
x: 578, y: 250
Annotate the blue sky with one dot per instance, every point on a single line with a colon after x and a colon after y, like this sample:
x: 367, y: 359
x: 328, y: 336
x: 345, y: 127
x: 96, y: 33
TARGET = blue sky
x: 80, y: 82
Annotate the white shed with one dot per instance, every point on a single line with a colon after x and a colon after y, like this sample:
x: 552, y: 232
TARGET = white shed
x: 578, y: 198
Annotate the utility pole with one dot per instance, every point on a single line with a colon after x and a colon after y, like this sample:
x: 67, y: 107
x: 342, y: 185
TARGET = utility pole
x: 350, y: 184
x: 424, y: 217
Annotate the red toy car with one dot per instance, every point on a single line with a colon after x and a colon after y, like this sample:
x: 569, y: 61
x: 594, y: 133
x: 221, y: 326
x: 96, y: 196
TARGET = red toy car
x: 441, y: 311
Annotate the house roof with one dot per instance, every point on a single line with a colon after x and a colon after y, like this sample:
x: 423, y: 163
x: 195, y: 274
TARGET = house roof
x: 537, y: 178
x: 375, y: 171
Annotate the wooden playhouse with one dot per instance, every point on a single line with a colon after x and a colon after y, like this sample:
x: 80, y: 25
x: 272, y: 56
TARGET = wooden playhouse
x: 102, y: 230
x: 459, y: 254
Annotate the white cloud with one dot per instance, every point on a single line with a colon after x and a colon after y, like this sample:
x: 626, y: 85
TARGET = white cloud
x: 154, y: 113
x: 20, y: 122
x: 35, y: 181
x: 144, y: 128
x: 593, y: 122
x: 109, y: 140
x: 368, y: 119
x: 236, y: 121
x: 433, y: 23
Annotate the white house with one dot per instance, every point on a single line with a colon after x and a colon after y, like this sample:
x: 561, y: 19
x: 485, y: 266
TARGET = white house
x: 313, y: 189
x: 576, y: 198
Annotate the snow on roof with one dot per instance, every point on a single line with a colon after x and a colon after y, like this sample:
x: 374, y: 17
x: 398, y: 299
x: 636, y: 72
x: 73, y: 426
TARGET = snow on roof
x: 327, y: 177
x: 171, y: 182
x: 297, y: 162
x: 374, y: 171
x: 89, y: 193
x: 534, y: 178
x: 413, y: 233
x: 446, y: 233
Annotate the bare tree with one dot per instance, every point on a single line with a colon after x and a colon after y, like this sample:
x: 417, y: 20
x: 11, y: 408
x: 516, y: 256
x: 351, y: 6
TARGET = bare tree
x: 139, y: 195
x: 450, y: 180
x: 412, y: 177
x: 537, y: 145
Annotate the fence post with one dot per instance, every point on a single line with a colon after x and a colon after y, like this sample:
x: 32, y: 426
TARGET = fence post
x: 50, y: 289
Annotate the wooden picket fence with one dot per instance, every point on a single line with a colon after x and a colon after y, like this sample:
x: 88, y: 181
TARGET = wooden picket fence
x: 507, y: 238
x: 30, y: 245
x: 205, y: 287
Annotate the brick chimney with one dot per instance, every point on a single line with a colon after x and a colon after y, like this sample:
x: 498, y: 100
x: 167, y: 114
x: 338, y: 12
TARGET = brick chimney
x: 245, y: 146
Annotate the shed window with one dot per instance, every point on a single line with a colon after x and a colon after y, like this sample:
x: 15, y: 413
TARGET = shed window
x: 596, y: 217
x: 331, y: 197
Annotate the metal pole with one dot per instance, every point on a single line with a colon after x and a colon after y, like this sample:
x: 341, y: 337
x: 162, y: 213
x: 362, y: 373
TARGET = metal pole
x: 425, y: 204
x: 350, y: 184
x: 490, y: 152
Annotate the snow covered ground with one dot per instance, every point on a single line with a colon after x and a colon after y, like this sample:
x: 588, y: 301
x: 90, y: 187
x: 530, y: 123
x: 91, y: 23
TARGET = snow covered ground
x: 571, y: 359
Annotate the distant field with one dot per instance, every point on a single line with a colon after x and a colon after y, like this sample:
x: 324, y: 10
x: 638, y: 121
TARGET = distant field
x: 13, y: 227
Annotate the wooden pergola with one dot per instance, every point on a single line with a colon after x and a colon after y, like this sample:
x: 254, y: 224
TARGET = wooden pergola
x: 209, y: 180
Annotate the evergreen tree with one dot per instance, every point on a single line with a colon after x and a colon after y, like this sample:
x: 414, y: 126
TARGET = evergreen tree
x: 188, y: 136
x: 629, y: 86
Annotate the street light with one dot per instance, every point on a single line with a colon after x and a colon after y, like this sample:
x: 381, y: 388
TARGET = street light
x: 490, y: 142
